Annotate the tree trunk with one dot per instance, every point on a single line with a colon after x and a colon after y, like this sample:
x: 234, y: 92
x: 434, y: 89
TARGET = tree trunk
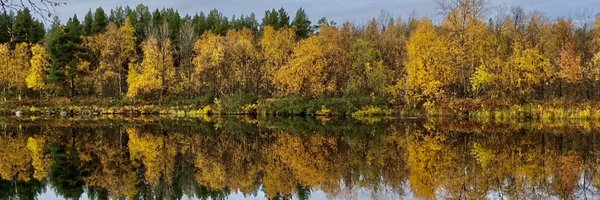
x: 120, y: 87
x: 72, y: 90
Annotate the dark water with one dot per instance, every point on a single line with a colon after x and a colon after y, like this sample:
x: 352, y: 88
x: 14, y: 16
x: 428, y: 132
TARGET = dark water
x: 299, y: 158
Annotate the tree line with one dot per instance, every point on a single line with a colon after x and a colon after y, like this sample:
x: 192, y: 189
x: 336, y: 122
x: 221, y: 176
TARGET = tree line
x: 138, y: 54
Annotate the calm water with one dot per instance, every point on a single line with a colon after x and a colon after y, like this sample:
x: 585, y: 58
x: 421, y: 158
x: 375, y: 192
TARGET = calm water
x: 297, y: 158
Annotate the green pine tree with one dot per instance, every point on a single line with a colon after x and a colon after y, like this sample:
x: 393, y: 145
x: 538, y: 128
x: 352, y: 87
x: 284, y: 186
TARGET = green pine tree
x: 302, y: 24
x: 100, y: 21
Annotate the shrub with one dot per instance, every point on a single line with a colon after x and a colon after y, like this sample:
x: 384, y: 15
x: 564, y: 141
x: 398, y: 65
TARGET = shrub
x: 249, y: 109
x: 324, y: 111
x: 236, y: 103
x: 372, y: 111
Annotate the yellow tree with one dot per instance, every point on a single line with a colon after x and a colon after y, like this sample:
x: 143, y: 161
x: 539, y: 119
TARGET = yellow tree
x: 208, y: 62
x: 40, y: 160
x: 36, y: 79
x: 594, y: 65
x: 525, y: 71
x: 4, y: 65
x: 114, y: 48
x: 316, y: 66
x: 464, y: 32
x: 569, y: 62
x: 19, y: 67
x: 596, y: 37
x: 154, y: 152
x: 276, y: 46
x: 428, y: 72
x: 429, y: 159
x: 127, y: 42
x: 483, y: 79
x: 392, y: 45
x: 557, y: 35
x: 241, y: 62
x: 166, y: 65
x: 368, y: 73
x: 227, y: 64
x: 185, y: 45
x: 155, y: 71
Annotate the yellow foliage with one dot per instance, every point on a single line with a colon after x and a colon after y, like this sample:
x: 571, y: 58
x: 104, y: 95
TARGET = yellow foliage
x: 467, y: 39
x: 154, y: 152
x: 113, y: 48
x: 482, y: 79
x: 596, y: 67
x: 40, y: 161
x: 526, y: 70
x: 15, y: 159
x: 482, y: 154
x: 428, y: 72
x: 36, y: 79
x: 242, y: 61
x: 368, y: 73
x: 276, y: 46
x: 324, y: 111
x: 19, y: 66
x: 239, y: 72
x: 4, y: 64
x: 210, y: 173
x: 315, y: 65
x: 210, y: 54
x: 428, y: 158
x: 156, y: 71
x: 571, y: 68
x: 127, y: 41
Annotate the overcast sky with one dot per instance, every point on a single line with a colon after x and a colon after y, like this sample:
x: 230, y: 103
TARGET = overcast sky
x: 356, y: 11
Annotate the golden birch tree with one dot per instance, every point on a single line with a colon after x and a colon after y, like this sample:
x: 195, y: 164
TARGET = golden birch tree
x: 40, y: 65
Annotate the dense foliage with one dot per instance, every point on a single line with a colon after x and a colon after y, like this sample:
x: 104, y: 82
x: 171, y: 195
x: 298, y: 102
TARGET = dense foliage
x: 137, y: 54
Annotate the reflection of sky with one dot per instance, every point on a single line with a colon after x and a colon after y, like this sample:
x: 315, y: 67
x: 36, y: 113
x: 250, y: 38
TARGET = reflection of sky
x: 357, y: 11
x: 384, y: 193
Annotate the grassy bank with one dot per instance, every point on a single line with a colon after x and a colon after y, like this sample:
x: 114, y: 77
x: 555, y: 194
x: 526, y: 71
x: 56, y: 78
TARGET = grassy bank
x: 498, y: 111
x: 241, y: 104
x: 362, y: 108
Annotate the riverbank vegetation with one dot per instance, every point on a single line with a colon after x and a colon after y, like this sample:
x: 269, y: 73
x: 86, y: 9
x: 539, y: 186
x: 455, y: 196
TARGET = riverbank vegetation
x: 288, y: 65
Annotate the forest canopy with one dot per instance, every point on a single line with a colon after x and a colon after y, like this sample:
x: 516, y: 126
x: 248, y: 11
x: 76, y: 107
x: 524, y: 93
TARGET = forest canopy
x: 140, y: 54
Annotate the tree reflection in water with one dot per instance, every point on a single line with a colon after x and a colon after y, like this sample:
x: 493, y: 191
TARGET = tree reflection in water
x: 295, y: 157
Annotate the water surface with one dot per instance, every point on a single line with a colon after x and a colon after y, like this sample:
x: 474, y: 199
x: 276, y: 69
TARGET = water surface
x: 298, y: 158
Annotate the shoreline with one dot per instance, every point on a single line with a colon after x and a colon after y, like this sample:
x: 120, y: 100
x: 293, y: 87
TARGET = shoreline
x: 478, y: 110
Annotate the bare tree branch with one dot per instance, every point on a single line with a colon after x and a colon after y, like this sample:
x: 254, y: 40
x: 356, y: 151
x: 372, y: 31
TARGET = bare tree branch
x: 477, y: 8
x: 44, y: 8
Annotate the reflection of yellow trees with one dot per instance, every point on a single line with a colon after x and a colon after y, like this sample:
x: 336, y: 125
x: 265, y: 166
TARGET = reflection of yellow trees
x: 155, y: 154
x: 309, y: 161
x: 15, y: 158
x: 516, y: 168
x: 456, y: 161
x: 40, y: 160
x: 428, y: 160
x: 394, y: 156
x: 570, y: 170
x: 226, y: 161
x: 114, y: 172
x: 210, y: 172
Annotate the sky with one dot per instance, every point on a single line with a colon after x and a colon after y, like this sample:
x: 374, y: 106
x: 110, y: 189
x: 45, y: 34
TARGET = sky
x: 355, y: 11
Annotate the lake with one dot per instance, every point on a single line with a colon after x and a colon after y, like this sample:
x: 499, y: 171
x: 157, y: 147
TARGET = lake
x: 241, y: 157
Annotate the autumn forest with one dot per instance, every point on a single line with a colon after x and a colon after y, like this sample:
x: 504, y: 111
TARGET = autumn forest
x: 138, y: 55
x: 478, y: 102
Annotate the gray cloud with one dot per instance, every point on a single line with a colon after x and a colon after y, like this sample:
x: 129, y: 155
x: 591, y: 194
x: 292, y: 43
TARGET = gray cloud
x: 356, y: 11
